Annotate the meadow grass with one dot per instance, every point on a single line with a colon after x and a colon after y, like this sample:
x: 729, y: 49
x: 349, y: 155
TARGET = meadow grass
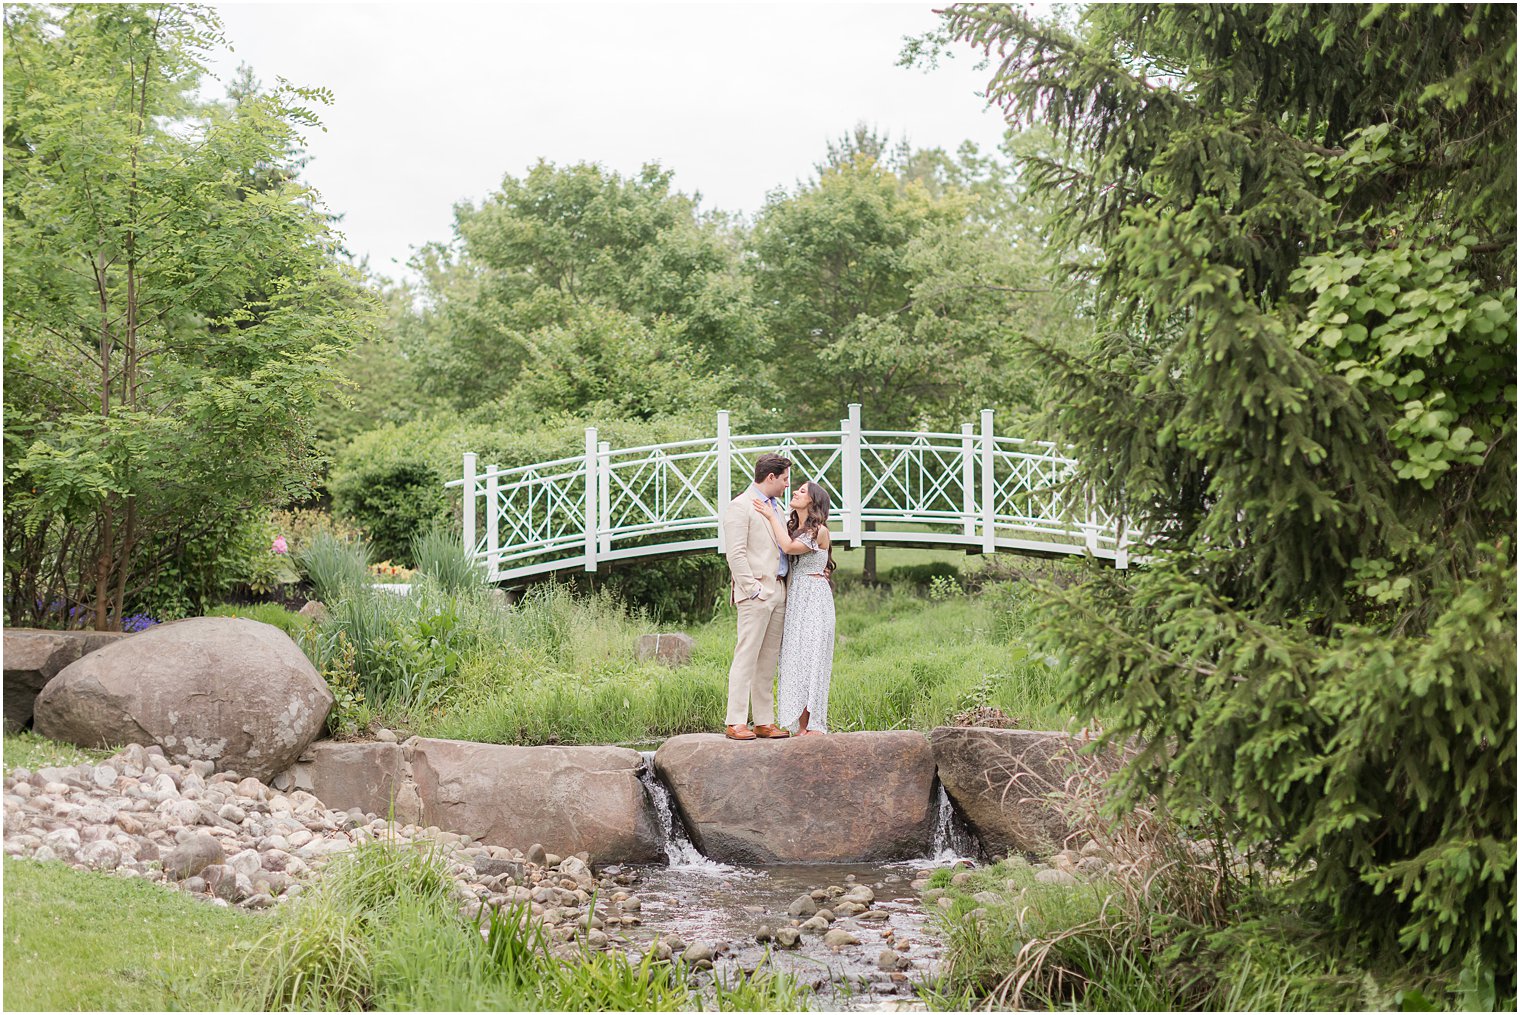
x: 564, y: 670
x: 78, y: 941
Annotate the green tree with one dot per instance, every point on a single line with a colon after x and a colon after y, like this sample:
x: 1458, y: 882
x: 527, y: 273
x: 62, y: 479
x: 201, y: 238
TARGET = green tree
x: 1303, y: 396
x: 542, y: 249
x: 890, y: 281
x: 174, y: 303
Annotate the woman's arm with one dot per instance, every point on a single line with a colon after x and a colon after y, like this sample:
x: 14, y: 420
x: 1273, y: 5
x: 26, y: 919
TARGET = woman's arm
x: 778, y: 528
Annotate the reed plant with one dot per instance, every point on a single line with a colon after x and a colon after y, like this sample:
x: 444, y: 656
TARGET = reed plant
x: 336, y: 567
x: 438, y: 552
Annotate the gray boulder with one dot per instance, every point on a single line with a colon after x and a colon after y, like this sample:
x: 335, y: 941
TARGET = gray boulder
x: 569, y: 799
x: 227, y: 690
x: 873, y: 795
x: 670, y: 649
x: 1002, y: 781
x: 32, y: 658
x: 370, y: 776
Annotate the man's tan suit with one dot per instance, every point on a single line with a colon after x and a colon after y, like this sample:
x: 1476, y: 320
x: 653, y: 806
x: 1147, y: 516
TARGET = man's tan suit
x: 753, y: 559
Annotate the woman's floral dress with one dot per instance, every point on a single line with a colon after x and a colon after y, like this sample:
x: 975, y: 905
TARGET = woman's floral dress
x: 807, y: 641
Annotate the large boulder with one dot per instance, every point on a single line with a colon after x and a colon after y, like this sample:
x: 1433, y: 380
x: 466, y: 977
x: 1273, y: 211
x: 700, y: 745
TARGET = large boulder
x: 843, y: 797
x: 1002, y: 781
x: 231, y: 691
x: 371, y: 776
x: 33, y: 657
x: 570, y: 799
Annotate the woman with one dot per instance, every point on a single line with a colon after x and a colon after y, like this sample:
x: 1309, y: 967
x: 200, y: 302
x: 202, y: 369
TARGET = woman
x: 807, y: 641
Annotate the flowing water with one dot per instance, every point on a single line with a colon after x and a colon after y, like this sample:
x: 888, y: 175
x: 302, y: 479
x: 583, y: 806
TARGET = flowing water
x: 700, y: 900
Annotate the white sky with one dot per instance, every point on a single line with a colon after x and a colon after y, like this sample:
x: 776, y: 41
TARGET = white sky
x: 435, y: 103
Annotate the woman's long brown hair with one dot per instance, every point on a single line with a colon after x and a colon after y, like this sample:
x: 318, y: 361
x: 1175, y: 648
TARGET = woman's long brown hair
x: 817, y: 514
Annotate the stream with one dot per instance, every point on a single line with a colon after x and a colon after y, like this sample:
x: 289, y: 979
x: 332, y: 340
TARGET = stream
x: 698, y: 900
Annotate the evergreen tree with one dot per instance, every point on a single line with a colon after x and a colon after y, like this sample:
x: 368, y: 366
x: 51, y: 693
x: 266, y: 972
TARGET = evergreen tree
x: 1300, y: 226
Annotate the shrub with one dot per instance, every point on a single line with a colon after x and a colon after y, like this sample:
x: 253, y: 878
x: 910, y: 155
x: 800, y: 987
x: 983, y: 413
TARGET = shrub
x: 922, y: 575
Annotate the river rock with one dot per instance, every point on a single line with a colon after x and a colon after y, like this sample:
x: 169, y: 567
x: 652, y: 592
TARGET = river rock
x: 670, y: 649
x: 223, y: 689
x: 1001, y: 781
x: 574, y: 799
x: 194, y: 855
x: 803, y: 905
x: 839, y: 938
x: 739, y: 799
x: 788, y: 937
x: 369, y: 776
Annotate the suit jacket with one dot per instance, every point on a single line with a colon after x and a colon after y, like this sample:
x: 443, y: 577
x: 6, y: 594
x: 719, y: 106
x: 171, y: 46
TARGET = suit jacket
x: 752, y: 553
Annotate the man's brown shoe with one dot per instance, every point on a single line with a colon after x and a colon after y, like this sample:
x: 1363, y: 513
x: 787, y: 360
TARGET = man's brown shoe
x: 739, y: 732
x: 770, y: 732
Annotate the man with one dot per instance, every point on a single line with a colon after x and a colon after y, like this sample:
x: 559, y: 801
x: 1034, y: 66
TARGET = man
x: 758, y: 569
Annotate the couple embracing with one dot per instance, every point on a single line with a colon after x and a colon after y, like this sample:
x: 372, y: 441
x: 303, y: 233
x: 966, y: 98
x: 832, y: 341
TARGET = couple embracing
x: 781, y: 567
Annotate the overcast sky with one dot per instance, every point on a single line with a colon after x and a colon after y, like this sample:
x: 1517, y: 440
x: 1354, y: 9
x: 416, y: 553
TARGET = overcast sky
x: 434, y: 103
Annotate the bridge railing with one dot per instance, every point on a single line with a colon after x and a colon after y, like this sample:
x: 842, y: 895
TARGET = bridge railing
x: 971, y: 489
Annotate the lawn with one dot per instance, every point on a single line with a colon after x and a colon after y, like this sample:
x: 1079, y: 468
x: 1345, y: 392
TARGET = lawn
x: 84, y: 941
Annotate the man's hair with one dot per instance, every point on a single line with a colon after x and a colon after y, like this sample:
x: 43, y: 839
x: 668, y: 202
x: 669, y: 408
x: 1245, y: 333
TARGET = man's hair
x: 770, y: 465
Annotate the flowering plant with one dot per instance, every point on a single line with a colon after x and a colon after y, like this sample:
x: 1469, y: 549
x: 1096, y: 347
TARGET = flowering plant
x: 279, y: 545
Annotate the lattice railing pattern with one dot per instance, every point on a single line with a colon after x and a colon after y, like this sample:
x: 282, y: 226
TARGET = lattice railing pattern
x: 972, y: 489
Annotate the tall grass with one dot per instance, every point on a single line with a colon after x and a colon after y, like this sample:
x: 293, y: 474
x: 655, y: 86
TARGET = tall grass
x: 438, y: 552
x: 1174, y: 924
x: 336, y: 567
x: 563, y: 670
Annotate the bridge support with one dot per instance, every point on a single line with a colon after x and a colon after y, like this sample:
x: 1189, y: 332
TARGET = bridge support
x: 849, y: 447
x: 592, y: 498
x: 725, y: 450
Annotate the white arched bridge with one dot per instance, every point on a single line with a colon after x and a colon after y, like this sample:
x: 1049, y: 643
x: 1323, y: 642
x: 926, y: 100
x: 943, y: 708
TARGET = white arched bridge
x: 973, y: 489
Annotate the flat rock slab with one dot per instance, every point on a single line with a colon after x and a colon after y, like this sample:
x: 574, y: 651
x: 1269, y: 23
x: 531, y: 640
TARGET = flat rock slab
x: 841, y: 797
x: 371, y: 776
x: 228, y: 690
x: 1001, y: 781
x: 570, y: 799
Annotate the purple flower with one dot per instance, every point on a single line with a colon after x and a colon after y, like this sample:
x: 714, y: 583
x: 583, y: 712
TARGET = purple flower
x: 137, y: 622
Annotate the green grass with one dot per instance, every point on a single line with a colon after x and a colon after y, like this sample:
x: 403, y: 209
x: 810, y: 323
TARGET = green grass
x: 85, y: 941
x: 273, y: 614
x: 29, y: 750
x: 562, y: 669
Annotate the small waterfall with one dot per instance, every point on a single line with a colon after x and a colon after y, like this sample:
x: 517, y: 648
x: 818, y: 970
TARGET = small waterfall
x: 952, y: 839
x: 679, y: 849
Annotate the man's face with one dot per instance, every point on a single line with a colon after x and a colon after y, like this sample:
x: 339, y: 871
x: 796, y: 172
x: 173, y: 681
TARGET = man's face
x: 772, y: 486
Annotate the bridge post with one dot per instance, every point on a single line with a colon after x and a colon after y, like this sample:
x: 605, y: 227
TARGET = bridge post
x: 968, y: 480
x: 493, y: 519
x: 604, y: 496
x: 592, y: 499
x: 850, y: 478
x: 1091, y: 527
x: 469, y: 504
x: 989, y: 485
x: 725, y: 475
